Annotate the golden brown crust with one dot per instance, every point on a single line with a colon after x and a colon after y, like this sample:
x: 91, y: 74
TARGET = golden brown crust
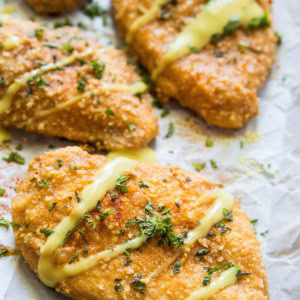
x: 167, y: 185
x: 221, y: 82
x: 87, y: 120
x: 53, y: 6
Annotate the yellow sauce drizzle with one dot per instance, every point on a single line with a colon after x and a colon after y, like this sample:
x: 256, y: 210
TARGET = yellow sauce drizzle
x: 4, y: 135
x: 136, y: 88
x: 105, y: 180
x: 149, y: 16
x: 215, y: 215
x: 5, y: 102
x: 226, y: 278
x: 146, y: 155
x: 212, y: 20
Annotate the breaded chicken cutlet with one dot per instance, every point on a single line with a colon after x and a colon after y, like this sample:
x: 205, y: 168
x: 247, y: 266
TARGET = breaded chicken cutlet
x: 210, y: 56
x: 119, y: 229
x: 53, y: 6
x: 61, y: 83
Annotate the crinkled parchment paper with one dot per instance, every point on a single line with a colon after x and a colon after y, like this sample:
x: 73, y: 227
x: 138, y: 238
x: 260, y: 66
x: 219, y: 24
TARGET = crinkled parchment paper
x: 260, y: 164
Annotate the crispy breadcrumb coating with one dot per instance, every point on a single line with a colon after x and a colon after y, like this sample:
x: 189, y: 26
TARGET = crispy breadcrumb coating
x: 171, y: 186
x: 111, y: 120
x: 221, y: 82
x: 53, y: 6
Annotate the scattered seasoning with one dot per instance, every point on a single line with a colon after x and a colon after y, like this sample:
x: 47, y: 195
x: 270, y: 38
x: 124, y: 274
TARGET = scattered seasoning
x: 42, y: 183
x: 77, y: 196
x: 165, y: 112
x: 52, y: 206
x: 202, y: 252
x: 240, y: 273
x: 107, y: 213
x: 46, y: 232
x: 15, y: 157
x: 142, y: 184
x: 213, y: 164
x: 132, y: 127
x: 254, y: 222
x: 261, y: 22
x: 209, y: 143
x: 90, y: 220
x: 176, y: 268
x: 118, y: 288
x: 50, y: 44
x: 3, y: 252
x: 2, y: 192
x: 109, y: 112
x: 264, y: 234
x: 98, y: 68
x: 4, y: 223
x: 59, y: 163
x: 177, y: 203
x: 82, y: 83
x: 85, y: 251
x: 73, y: 167
x: 38, y: 33
x: 198, y: 166
x: 227, y: 214
x: 278, y: 38
x: 138, y: 284
x: 65, y: 22
x: 171, y: 130
x: 121, y: 184
x: 73, y: 258
x: 68, y: 48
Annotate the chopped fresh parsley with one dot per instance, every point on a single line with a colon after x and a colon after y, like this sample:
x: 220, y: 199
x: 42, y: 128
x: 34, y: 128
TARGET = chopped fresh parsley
x: 149, y: 208
x: 4, y: 223
x: 73, y: 258
x: 59, y: 163
x: 171, y: 130
x: 131, y: 223
x: 77, y: 196
x: 261, y: 22
x: 46, y: 232
x: 93, y: 10
x: 98, y: 68
x: 138, y: 284
x: 121, y: 184
x: 65, y: 22
x: 4, y: 252
x: 118, y: 288
x: 109, y: 112
x: 142, y: 184
x: 2, y: 81
x: 85, y: 251
x: 52, y: 206
x: 132, y: 127
x: 15, y: 157
x: 42, y: 183
x: 82, y: 83
x: 68, y: 48
x: 2, y: 192
x: 82, y: 26
x: 227, y: 214
x: 176, y: 268
x: 278, y: 38
x: 198, y: 166
x: 107, y: 213
x: 213, y: 164
x: 202, y: 252
x: 38, y: 33
x: 232, y: 25
x: 206, y: 280
x: 90, y: 220
x: 50, y: 44
x: 254, y: 222
x: 209, y: 143
x: 240, y: 273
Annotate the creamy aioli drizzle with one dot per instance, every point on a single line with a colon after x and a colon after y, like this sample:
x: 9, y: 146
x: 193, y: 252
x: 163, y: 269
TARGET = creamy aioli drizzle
x: 135, y: 88
x: 5, y: 102
x: 215, y: 215
x: 226, y: 278
x: 146, y: 155
x: 214, y: 17
x: 105, y: 180
x: 149, y: 16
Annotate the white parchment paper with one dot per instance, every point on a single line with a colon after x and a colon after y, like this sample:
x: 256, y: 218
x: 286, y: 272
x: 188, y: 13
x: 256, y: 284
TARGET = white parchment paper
x: 260, y: 164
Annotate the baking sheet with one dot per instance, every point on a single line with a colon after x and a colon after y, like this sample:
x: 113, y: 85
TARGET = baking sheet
x: 260, y: 164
